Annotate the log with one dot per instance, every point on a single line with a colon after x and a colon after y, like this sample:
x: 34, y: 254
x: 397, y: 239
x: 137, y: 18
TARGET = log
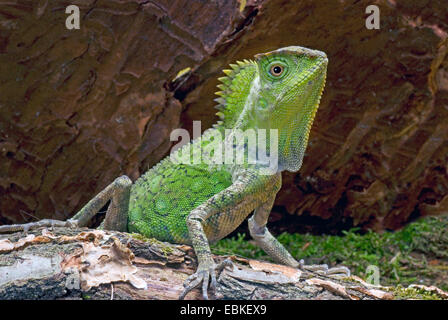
x: 68, y: 263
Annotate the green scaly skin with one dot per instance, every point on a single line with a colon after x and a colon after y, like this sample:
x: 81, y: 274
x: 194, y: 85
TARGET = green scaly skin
x: 164, y: 196
x: 198, y: 204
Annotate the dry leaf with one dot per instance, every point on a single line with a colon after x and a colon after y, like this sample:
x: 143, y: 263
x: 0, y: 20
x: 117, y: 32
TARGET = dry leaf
x: 107, y: 264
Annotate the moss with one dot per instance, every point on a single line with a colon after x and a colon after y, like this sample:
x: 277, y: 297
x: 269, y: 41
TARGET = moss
x: 400, y: 293
x: 417, y: 253
x: 166, y: 249
x: 140, y: 237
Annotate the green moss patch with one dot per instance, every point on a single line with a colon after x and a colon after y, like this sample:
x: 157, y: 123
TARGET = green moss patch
x: 416, y: 254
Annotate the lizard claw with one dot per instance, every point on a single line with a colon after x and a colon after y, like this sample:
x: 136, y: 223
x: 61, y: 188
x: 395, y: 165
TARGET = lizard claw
x: 324, y: 270
x: 26, y: 227
x: 339, y: 271
x: 204, y: 275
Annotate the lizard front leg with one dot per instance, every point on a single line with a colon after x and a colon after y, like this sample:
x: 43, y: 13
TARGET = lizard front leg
x: 264, y: 239
x: 118, y: 192
x: 207, y: 269
x: 270, y: 245
x: 223, y: 211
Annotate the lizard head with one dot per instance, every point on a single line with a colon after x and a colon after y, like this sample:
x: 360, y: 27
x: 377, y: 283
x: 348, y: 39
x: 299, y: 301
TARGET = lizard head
x: 290, y: 84
x: 280, y: 90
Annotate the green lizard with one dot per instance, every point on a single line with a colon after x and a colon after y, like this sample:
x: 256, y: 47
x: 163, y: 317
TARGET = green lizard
x: 200, y: 203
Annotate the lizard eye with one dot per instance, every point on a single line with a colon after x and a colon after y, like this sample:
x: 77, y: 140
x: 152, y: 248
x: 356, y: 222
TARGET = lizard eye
x: 276, y: 70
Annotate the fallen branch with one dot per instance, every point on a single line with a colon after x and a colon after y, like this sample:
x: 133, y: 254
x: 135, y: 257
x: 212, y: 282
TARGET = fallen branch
x: 65, y: 263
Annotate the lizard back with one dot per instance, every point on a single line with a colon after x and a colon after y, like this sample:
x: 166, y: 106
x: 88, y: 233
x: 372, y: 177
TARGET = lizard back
x: 162, y: 198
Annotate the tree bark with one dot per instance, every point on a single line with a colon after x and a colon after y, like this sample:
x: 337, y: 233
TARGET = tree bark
x: 80, y: 107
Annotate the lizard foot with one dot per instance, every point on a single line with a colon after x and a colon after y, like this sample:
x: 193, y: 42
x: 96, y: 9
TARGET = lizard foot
x: 204, y: 275
x: 323, y: 269
x: 34, y: 225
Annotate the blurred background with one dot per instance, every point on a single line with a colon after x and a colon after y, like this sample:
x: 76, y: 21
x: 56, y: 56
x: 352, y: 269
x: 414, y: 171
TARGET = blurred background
x: 80, y: 107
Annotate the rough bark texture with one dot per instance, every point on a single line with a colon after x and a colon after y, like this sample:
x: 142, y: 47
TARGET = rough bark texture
x: 80, y: 107
x: 67, y: 263
x: 379, y: 145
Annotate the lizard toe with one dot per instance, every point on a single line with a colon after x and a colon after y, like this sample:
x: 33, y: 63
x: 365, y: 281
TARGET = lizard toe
x: 196, y: 279
x: 339, y: 271
x: 325, y: 270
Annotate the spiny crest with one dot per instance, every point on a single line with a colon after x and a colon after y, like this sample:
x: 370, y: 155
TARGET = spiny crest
x: 234, y: 88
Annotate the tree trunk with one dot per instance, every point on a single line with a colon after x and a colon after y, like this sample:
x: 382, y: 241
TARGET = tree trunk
x: 80, y: 107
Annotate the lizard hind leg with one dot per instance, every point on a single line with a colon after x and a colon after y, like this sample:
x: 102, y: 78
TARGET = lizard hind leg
x: 116, y: 217
x: 118, y: 192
